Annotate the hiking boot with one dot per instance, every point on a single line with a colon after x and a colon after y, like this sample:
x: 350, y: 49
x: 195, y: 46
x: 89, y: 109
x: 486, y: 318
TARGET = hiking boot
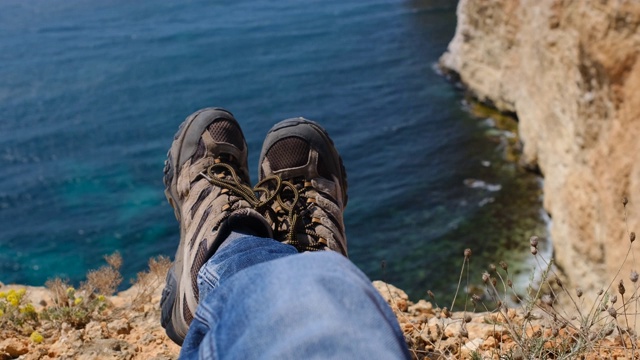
x: 206, y: 182
x: 303, y: 184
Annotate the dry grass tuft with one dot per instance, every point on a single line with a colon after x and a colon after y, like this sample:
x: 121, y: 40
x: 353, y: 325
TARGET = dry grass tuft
x: 105, y: 280
x: 148, y: 281
x: 58, y: 289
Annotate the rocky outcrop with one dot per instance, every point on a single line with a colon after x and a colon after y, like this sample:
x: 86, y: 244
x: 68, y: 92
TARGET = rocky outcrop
x: 570, y: 71
x: 124, y: 331
x: 130, y: 329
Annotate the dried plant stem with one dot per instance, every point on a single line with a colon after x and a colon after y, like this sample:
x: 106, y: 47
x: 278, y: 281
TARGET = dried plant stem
x: 464, y: 262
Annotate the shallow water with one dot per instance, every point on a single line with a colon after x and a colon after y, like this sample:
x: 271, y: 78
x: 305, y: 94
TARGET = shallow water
x: 92, y: 93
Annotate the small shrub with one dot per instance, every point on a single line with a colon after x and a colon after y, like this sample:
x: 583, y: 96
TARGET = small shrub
x: 15, y: 312
x: 77, y: 311
x: 77, y: 307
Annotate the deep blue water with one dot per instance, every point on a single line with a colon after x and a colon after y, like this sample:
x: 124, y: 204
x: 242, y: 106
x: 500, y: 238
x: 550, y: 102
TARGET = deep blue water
x: 91, y: 94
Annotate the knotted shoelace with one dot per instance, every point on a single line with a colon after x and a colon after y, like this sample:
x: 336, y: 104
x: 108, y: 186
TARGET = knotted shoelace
x: 287, y: 196
x: 285, y: 193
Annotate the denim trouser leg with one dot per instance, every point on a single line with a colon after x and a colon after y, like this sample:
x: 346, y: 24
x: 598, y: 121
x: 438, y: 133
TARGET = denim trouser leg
x: 261, y: 299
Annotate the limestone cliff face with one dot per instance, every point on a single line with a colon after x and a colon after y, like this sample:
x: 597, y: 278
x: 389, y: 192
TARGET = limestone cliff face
x: 571, y: 72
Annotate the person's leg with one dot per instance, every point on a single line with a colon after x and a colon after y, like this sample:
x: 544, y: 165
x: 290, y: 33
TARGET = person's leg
x: 310, y: 305
x: 207, y: 183
x: 238, y: 260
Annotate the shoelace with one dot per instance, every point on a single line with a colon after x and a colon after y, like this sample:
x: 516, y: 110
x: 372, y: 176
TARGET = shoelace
x: 287, y: 195
x: 225, y: 176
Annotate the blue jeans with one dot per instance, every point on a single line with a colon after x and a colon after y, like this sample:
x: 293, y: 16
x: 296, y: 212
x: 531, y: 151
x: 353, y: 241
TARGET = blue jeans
x: 260, y: 298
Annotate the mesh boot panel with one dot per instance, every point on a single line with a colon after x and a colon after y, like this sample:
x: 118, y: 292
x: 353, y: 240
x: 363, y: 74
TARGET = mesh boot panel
x: 188, y: 316
x: 223, y: 132
x: 288, y: 153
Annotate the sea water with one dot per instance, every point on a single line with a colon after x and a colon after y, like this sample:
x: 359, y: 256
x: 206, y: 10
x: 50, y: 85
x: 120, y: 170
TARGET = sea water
x: 91, y: 94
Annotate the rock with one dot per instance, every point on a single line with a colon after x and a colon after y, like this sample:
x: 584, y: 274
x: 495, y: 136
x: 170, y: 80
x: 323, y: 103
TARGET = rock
x: 422, y: 307
x: 450, y: 346
x: 93, y: 330
x: 432, y: 334
x: 451, y: 330
x: 162, y: 357
x: 571, y: 72
x: 489, y: 343
x: 119, y: 326
x: 470, y: 347
x: 484, y: 330
x: 147, y: 339
x: 389, y: 291
x: 107, y: 348
x: 14, y: 347
x: 396, y: 298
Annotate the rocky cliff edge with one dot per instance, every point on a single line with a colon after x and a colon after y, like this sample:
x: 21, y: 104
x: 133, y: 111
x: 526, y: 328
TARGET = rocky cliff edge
x: 570, y: 71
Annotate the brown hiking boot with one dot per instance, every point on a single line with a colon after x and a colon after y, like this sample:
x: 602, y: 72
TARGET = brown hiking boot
x: 206, y: 182
x: 303, y: 186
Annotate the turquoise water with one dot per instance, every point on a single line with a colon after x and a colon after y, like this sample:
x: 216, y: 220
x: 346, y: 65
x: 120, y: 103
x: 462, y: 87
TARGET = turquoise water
x: 91, y: 94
